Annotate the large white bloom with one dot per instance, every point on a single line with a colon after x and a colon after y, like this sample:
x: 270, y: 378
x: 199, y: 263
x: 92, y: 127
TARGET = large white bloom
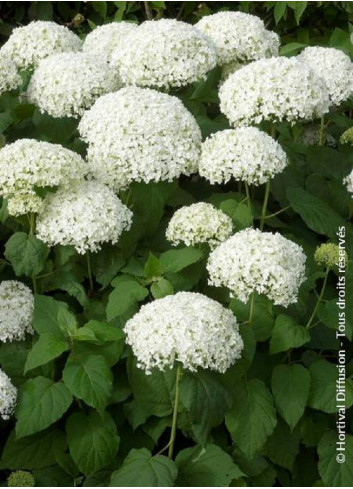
x: 140, y: 134
x: 335, y: 67
x: 16, y: 310
x: 273, y: 89
x: 239, y: 36
x: 9, y: 78
x: 266, y: 263
x: 187, y: 327
x: 199, y: 223
x: 8, y: 396
x: 28, y: 45
x: 164, y: 53
x: 28, y: 164
x: 66, y: 84
x: 107, y: 38
x: 84, y: 216
x: 245, y: 154
x: 349, y: 182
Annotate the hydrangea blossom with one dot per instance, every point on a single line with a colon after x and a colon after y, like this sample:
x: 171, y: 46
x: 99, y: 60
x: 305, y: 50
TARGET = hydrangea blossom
x: 9, y: 78
x: 8, y: 396
x: 335, y: 67
x: 348, y: 181
x: 140, y: 135
x: 188, y: 328
x: 164, y: 53
x: 21, y: 478
x: 266, y: 263
x: 347, y: 137
x: 66, y: 84
x: 105, y: 39
x: 328, y: 254
x: 29, y: 44
x: 28, y: 164
x: 199, y: 223
x: 245, y: 154
x: 16, y: 310
x: 273, y: 89
x: 239, y: 36
x: 84, y: 216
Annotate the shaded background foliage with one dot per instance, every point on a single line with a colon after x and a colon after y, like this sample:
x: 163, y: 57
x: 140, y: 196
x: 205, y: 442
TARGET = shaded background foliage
x: 55, y: 448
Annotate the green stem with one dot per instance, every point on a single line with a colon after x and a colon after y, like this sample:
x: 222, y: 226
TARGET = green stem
x: 248, y: 194
x: 322, y: 131
x: 239, y: 186
x: 175, y: 413
x: 278, y: 212
x: 34, y: 283
x: 89, y: 270
x: 264, y: 207
x: 252, y: 303
x: 319, y: 299
x: 32, y: 223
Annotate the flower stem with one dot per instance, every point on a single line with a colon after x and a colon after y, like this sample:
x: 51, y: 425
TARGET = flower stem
x: 32, y: 223
x: 319, y: 299
x: 252, y: 304
x: 278, y: 212
x: 264, y: 207
x: 175, y: 413
x: 248, y: 195
x: 322, y: 131
x: 89, y: 270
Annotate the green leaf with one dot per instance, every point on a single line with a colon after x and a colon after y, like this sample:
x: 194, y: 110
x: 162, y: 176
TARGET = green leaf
x: 99, y: 332
x: 283, y: 446
x: 240, y: 213
x: 252, y: 418
x: 153, y: 268
x: 101, y: 8
x: 173, y: 261
x: 140, y: 469
x: 89, y: 378
x: 323, y: 387
x: 299, y: 10
x: 161, y: 288
x: 47, y: 348
x: 206, y: 400
x: 335, y: 474
x: 41, y: 402
x: 126, y: 294
x: 67, y: 322
x: 106, y: 264
x: 206, y: 467
x: 263, y: 318
x: 279, y: 11
x: 45, y: 316
x: 93, y: 441
x: 32, y: 452
x: 291, y: 48
x: 290, y: 386
x: 26, y: 254
x: 287, y: 334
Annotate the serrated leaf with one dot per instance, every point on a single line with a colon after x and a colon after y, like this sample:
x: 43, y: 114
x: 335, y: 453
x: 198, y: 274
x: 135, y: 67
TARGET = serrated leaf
x: 283, y: 446
x: 173, y: 261
x: 41, y: 402
x: 47, y: 348
x: 99, y: 332
x: 335, y: 474
x: 287, y: 334
x: 290, y: 387
x: 126, y: 294
x: 45, y: 316
x: 240, y: 213
x: 93, y: 441
x: 153, y: 267
x: 26, y: 254
x: 140, y: 469
x: 161, y: 288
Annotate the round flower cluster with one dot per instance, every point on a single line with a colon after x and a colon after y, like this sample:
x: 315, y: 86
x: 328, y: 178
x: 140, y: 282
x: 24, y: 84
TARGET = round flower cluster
x: 245, y: 154
x: 28, y: 164
x: 335, y: 67
x: 347, y: 137
x: 66, y: 84
x: 105, y: 39
x: 255, y: 261
x: 187, y: 327
x: 348, y: 181
x: 28, y: 45
x: 199, y: 223
x: 327, y: 254
x: 9, y: 78
x: 8, y: 396
x: 142, y: 135
x: 164, y: 53
x: 84, y: 216
x: 16, y: 310
x: 239, y: 36
x: 21, y: 478
x: 273, y: 89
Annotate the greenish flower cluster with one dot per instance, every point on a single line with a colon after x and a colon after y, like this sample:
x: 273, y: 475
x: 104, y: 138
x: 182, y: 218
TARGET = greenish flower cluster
x: 327, y: 254
x: 21, y: 478
x: 347, y: 136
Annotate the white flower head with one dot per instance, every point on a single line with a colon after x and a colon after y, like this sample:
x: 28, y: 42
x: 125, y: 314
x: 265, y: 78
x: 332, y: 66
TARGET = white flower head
x: 164, y: 53
x: 334, y: 66
x: 28, y: 164
x: 29, y: 44
x: 140, y: 135
x: 66, y: 84
x: 107, y: 38
x: 199, y: 223
x: 266, y: 263
x: 16, y: 310
x: 273, y: 89
x: 239, y: 36
x: 188, y: 328
x: 348, y: 181
x: 245, y: 153
x: 9, y: 78
x: 8, y: 396
x: 84, y: 216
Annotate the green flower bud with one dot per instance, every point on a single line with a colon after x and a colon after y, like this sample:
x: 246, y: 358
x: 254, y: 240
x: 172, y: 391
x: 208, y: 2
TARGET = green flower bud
x: 347, y: 137
x: 327, y: 254
x: 21, y: 478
